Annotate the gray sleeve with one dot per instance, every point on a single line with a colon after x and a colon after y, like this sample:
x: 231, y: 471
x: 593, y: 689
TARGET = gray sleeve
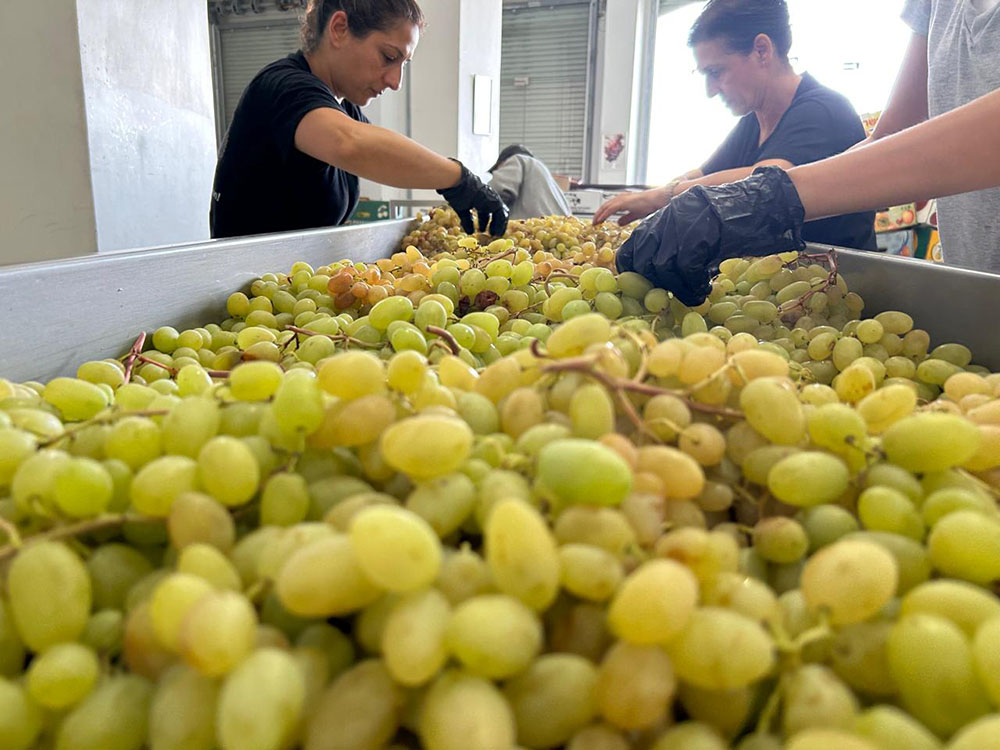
x: 507, y: 180
x: 917, y: 15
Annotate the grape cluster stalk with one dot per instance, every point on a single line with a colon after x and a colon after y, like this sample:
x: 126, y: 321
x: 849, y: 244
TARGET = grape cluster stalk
x: 491, y: 495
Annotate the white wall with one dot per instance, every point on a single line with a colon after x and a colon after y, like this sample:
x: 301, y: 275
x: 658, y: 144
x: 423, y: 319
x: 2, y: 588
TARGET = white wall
x: 46, y: 206
x: 151, y: 121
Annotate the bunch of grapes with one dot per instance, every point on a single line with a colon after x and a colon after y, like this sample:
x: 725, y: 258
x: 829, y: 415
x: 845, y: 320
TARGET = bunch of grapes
x: 498, y: 497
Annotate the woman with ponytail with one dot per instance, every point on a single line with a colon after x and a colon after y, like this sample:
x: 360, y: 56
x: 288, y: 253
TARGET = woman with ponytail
x: 298, y: 141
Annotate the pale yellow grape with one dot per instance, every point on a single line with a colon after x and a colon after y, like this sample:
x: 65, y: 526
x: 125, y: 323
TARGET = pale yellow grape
x: 780, y: 540
x: 82, y: 488
x: 982, y: 733
x: 324, y: 579
x: 889, y: 727
x: 635, y: 685
x: 158, y: 484
x: 654, y: 603
x: 931, y: 442
x: 396, y: 548
x: 886, y: 509
x: 444, y: 502
x: 49, y: 594
x: 195, y: 517
x: 494, y: 635
x: 298, y: 403
x: 965, y: 544
x: 463, y: 574
x: 260, y: 703
x: 808, y: 478
x: 452, y: 371
x: 986, y: 654
x: 521, y: 553
x: 582, y: 471
x: 941, y: 502
x: 859, y: 657
x: 276, y: 551
x: 461, y: 711
x: 284, y: 500
x: 574, y: 336
x: 814, y: 697
x: 115, y: 715
x: 592, y: 412
x: 912, y: 561
x: 837, y: 427
x: 520, y: 410
x: 370, y: 623
x: 752, y: 364
x: 182, y: 712
x: 701, y: 363
x: 62, y: 676
x: 666, y: 416
x: 704, y: 443
x: 134, y: 440
x: 254, y: 381
x: 720, y: 650
x: 602, y: 527
x: 932, y: 664
x: 426, y: 446
x: 15, y: 446
x: 217, y: 632
x: 988, y: 454
x: 854, y: 383
x: 705, y: 553
x: 852, y: 580
x: 829, y: 739
x: 189, y: 425
x: 355, y: 422
x: 772, y: 408
x: 665, y: 358
x: 20, y: 717
x: 413, y: 639
x: 598, y: 737
x: 552, y: 699
x: 173, y: 598
x: 681, y: 475
x: 725, y: 710
x: 352, y: 374
x: 589, y: 572
x: 358, y: 710
x: 743, y: 594
x: 75, y: 399
x: 34, y: 480
x: 406, y: 371
x: 965, y: 604
x: 228, y: 470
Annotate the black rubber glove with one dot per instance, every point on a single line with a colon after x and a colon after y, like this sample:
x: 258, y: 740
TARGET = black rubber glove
x: 680, y: 247
x: 469, y: 193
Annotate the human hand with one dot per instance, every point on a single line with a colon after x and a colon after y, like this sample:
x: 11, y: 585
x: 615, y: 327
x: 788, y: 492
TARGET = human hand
x: 634, y: 205
x: 470, y: 193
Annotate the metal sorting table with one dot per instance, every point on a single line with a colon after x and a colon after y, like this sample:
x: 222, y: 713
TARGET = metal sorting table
x: 56, y: 315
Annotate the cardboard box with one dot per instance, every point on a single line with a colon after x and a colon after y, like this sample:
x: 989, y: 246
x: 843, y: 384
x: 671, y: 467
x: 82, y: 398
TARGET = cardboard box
x: 896, y: 218
x: 368, y: 210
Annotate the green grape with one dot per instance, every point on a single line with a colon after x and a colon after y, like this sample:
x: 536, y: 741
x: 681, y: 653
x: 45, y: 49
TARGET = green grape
x: 965, y: 544
x: 406, y: 371
x: 858, y: 655
x: 589, y: 572
x: 395, y: 548
x: 912, y: 560
x: 182, y: 711
x: 15, y: 446
x: 931, y: 442
x: 444, y: 503
x: 82, y: 488
x: 889, y: 727
x: 581, y: 471
x: 197, y: 518
x: 115, y: 715
x: 654, y: 603
x: 407, y: 338
x: 228, y: 470
x: 461, y: 711
x: 932, y: 665
x: 773, y: 409
x: 854, y: 383
x: 158, y: 483
x: 49, y: 594
x: 521, y: 553
x: 814, y: 697
x: 298, y: 403
x: 62, y: 676
x: 706, y: 653
x: 75, y: 399
x: 592, y: 412
x: 413, y: 639
x: 965, y: 604
x: 189, y: 425
x: 573, y: 337
x: 260, y: 703
x: 134, y: 440
x: 493, y: 636
x: 886, y: 406
x: 635, y: 685
x: 217, y: 632
x: 780, y: 540
x: 852, y: 580
x: 426, y: 446
x: 172, y: 599
x: 284, y: 500
x: 889, y: 475
x: 601, y: 527
x: 357, y: 710
x: 20, y: 718
x: 808, y: 478
x: 553, y: 699
x: 837, y: 427
x: 324, y: 578
x: 114, y: 569
x: 886, y: 509
x: 205, y: 561
x: 255, y: 381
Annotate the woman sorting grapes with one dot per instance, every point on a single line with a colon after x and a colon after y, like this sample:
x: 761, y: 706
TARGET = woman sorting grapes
x: 299, y: 142
x: 786, y: 119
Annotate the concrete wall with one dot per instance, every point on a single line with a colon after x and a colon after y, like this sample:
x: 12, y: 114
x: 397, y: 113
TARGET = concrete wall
x: 46, y: 205
x: 151, y: 122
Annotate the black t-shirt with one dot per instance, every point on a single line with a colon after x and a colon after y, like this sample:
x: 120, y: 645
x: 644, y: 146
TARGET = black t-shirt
x: 818, y: 123
x: 262, y: 182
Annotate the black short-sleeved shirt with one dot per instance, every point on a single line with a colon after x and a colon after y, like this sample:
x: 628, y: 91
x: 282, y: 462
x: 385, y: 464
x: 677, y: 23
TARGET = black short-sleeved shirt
x: 818, y: 123
x: 262, y: 182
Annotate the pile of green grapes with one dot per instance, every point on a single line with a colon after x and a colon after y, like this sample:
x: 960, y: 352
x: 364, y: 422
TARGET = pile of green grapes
x: 499, y: 497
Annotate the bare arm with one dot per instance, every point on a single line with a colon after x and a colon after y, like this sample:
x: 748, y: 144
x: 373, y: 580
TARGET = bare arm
x: 957, y: 152
x: 907, y: 105
x: 372, y: 152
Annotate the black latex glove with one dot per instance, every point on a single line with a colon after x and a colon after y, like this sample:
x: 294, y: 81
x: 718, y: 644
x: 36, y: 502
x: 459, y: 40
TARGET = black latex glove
x: 469, y: 193
x: 680, y: 247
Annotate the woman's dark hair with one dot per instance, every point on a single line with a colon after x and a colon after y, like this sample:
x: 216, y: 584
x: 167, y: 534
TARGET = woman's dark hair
x: 738, y: 22
x: 363, y: 17
x: 509, y: 151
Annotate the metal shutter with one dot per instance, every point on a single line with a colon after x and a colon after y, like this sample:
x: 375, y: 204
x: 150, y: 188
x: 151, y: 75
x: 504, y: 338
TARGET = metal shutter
x: 543, y: 82
x: 246, y: 48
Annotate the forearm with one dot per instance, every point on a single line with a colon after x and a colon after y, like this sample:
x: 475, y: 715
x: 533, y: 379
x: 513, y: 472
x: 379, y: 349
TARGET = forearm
x: 957, y: 152
x: 907, y: 105
x: 730, y: 175
x: 389, y: 158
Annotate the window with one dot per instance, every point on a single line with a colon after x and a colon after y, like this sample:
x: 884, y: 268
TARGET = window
x: 855, y: 50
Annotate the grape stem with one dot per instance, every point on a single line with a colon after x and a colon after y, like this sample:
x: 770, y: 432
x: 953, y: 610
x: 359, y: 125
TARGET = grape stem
x: 337, y: 337
x: 12, y: 533
x: 101, y: 419
x: 447, y: 337
x: 831, y: 257
x: 486, y: 261
x: 72, y: 530
x: 173, y: 370
x: 132, y: 354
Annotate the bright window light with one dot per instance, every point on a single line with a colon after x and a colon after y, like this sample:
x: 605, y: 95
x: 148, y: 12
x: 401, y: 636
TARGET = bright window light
x: 857, y: 58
